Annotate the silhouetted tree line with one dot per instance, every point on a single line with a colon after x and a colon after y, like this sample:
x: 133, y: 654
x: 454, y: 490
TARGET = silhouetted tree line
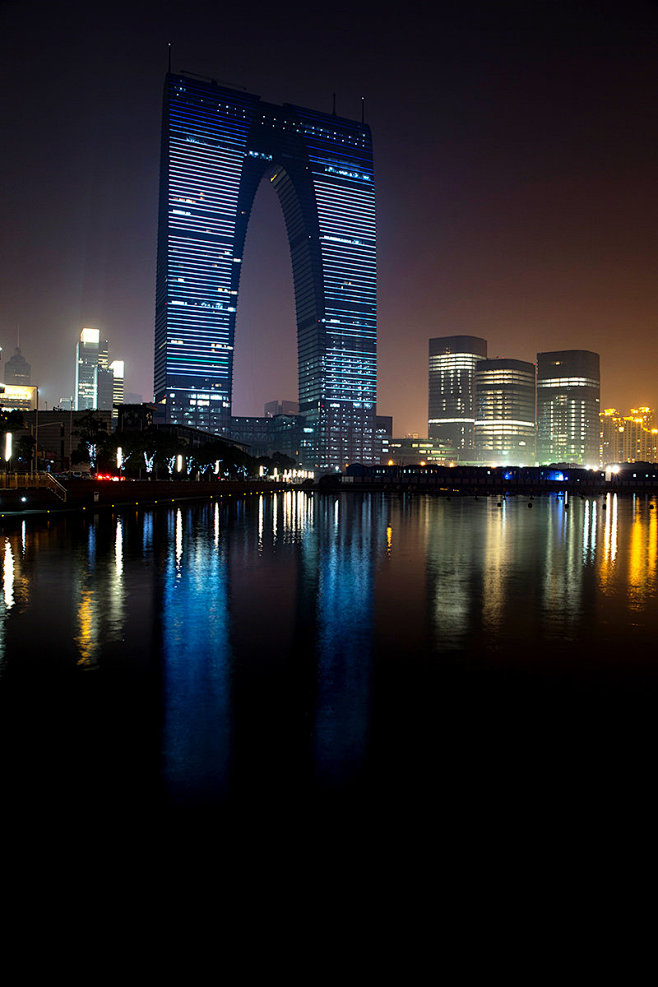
x: 154, y: 452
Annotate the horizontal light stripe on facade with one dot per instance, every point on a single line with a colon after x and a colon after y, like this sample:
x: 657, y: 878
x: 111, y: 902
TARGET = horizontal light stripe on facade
x: 568, y: 382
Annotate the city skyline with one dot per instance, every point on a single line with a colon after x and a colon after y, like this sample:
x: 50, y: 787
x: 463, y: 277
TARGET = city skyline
x: 515, y: 166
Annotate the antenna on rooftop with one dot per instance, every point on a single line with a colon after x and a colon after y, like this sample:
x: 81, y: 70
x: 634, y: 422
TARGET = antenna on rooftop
x: 363, y: 109
x: 170, y: 57
x: 334, y: 107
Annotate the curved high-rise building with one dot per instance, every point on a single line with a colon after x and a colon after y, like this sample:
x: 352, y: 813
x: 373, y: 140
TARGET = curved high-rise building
x: 568, y: 405
x: 217, y: 146
x: 451, y: 412
x: 504, y: 431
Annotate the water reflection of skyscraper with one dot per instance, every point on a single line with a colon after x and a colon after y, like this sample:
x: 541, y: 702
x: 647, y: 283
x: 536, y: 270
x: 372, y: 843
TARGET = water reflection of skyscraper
x: 195, y: 661
x: 347, y: 541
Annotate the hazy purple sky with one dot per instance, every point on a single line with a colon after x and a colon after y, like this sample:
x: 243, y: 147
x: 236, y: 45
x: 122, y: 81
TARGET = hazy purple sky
x: 516, y: 162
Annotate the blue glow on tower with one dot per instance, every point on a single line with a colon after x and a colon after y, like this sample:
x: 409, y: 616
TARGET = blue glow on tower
x: 217, y: 145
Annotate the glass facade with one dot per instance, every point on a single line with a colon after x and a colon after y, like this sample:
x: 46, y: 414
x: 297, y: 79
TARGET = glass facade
x: 93, y: 378
x: 568, y: 404
x: 217, y: 146
x: 504, y: 430
x: 451, y: 414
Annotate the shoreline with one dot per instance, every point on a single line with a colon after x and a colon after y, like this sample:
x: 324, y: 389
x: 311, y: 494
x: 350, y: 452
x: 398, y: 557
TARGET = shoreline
x: 85, y: 495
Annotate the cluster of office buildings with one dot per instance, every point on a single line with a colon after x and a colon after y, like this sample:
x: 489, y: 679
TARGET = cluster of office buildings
x: 507, y: 411
x: 99, y: 382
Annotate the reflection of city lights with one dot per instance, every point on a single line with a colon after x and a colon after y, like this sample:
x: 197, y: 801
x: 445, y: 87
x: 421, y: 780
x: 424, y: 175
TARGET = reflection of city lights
x: 8, y: 577
x: 260, y: 522
x: 86, y: 637
x: 179, y: 536
x: 118, y: 548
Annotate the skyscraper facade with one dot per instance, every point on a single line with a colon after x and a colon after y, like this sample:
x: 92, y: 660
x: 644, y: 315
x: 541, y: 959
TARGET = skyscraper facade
x: 504, y: 430
x: 451, y: 414
x: 217, y: 146
x: 17, y: 369
x: 94, y: 379
x: 87, y: 354
x: 568, y: 404
x: 118, y: 385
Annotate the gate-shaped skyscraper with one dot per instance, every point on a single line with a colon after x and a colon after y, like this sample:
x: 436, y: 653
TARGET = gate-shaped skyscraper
x: 217, y: 145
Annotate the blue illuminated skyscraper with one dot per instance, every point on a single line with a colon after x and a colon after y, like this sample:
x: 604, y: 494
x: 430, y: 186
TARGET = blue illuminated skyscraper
x: 217, y: 146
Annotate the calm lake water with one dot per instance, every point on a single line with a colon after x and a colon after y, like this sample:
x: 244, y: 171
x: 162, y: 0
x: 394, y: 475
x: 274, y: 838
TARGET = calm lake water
x: 409, y: 652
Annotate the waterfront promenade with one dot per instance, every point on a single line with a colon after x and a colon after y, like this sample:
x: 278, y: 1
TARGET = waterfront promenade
x: 84, y: 494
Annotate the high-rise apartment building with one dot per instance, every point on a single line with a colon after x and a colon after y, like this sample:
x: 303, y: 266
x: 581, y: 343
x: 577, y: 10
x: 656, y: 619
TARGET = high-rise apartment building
x: 568, y: 404
x: 94, y: 379
x: 628, y: 438
x: 504, y: 430
x: 217, y: 146
x: 451, y: 415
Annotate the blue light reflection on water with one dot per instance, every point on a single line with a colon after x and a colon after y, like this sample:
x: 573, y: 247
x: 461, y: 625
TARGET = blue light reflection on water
x: 196, y: 662
x: 387, y: 592
x: 347, y: 553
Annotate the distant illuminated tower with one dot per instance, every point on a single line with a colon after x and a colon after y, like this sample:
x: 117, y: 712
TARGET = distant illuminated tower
x: 504, y: 431
x: 17, y: 369
x: 118, y: 379
x: 93, y: 377
x: 568, y: 402
x: 451, y: 417
x: 217, y: 146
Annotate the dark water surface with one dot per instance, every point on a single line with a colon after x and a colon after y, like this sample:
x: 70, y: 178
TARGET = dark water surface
x: 412, y: 655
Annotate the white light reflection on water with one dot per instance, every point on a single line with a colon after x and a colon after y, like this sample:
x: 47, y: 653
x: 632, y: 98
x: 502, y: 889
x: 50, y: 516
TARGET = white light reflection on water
x: 118, y: 549
x: 116, y: 588
x: 261, y: 508
x: 609, y: 511
x: 8, y: 576
x: 179, y: 538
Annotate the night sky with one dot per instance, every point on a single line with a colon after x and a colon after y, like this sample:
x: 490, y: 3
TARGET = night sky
x: 516, y: 164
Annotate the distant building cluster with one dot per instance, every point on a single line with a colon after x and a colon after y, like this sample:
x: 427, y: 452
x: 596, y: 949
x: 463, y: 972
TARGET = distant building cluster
x: 507, y: 411
x: 629, y: 438
x: 99, y: 383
